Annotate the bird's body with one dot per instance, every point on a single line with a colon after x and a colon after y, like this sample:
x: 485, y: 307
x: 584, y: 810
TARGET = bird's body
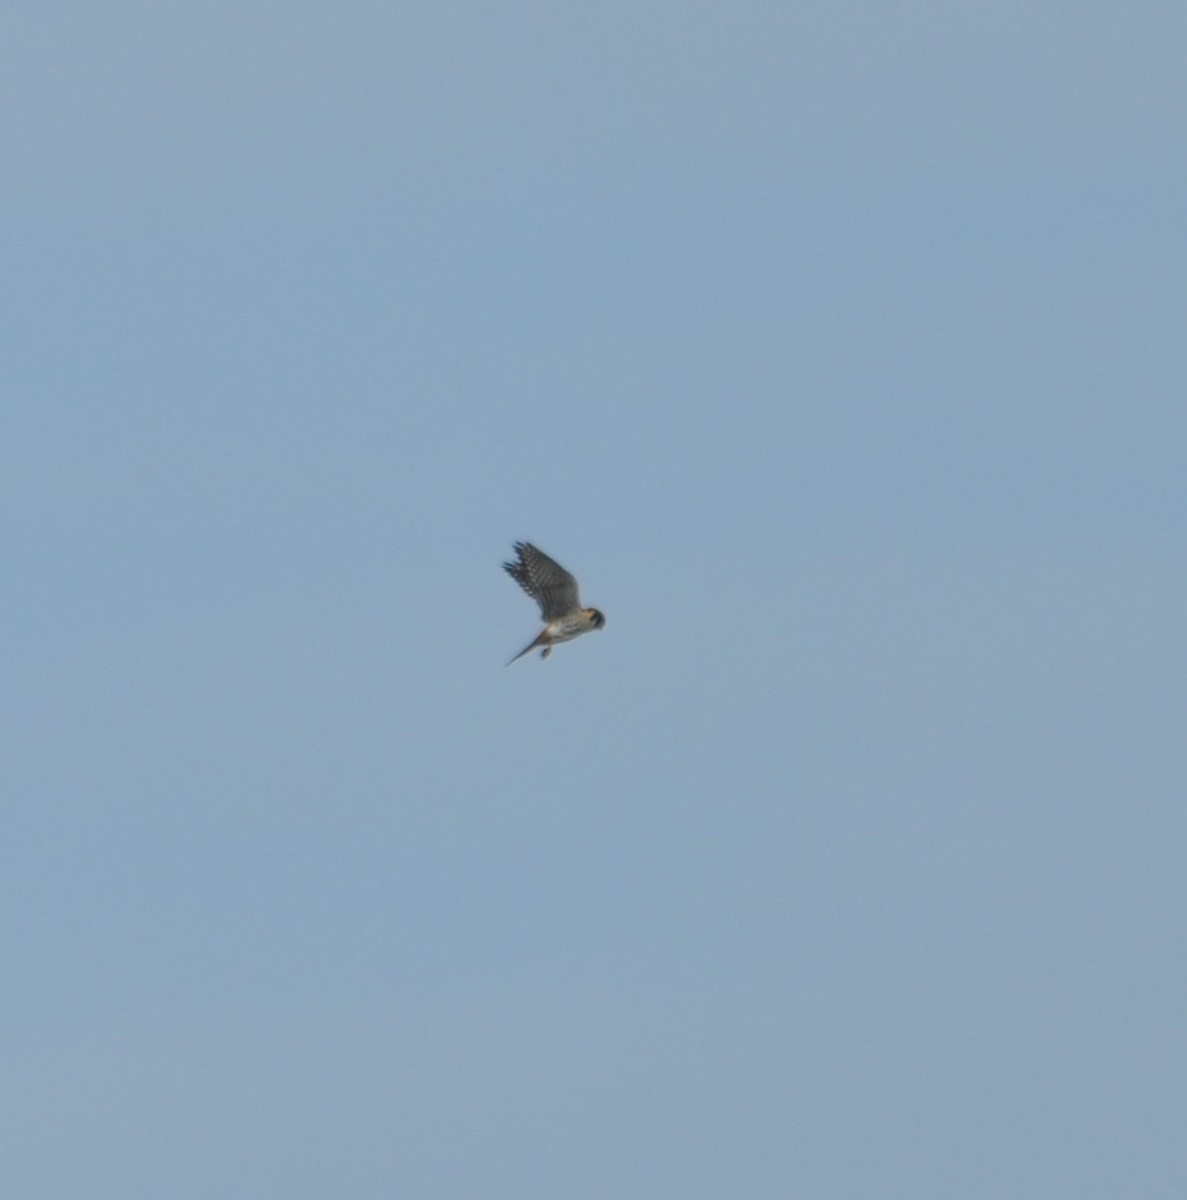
x: 555, y: 590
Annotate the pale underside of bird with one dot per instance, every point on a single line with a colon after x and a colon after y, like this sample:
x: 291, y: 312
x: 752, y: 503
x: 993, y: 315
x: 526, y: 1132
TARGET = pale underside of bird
x: 555, y: 591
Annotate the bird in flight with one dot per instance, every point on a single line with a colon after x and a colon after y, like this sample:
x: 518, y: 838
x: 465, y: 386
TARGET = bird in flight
x: 555, y: 591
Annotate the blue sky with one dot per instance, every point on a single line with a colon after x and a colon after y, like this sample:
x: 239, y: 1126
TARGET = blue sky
x: 839, y: 350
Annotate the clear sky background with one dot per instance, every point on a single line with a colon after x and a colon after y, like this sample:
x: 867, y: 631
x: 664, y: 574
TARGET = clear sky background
x: 839, y: 348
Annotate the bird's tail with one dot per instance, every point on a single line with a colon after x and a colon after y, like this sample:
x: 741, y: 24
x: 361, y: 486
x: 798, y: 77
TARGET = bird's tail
x: 537, y: 641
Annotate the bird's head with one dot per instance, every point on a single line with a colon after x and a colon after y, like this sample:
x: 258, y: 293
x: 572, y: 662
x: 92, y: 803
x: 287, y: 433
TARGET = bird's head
x: 596, y: 619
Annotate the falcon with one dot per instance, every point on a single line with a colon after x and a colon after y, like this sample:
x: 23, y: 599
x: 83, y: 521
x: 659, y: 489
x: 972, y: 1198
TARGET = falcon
x: 555, y: 591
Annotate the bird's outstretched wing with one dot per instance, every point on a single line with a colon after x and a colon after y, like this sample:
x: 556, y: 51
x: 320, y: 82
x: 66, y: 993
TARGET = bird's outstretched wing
x: 546, y: 581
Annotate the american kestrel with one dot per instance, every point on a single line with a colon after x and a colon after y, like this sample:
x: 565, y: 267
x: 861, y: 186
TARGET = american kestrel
x: 555, y: 591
